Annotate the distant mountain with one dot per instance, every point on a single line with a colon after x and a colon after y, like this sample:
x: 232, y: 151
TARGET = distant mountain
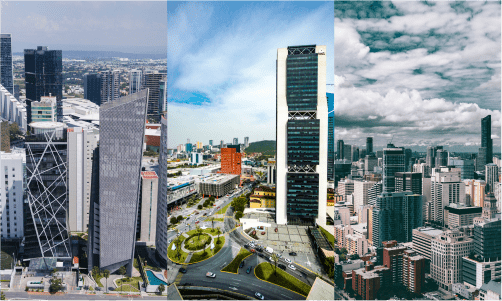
x: 266, y: 147
x: 82, y: 55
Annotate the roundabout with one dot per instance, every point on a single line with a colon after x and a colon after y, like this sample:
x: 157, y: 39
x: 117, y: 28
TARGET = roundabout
x: 193, y: 247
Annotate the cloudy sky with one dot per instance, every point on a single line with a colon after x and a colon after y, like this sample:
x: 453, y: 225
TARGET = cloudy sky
x: 425, y: 73
x: 221, y: 62
x: 126, y: 26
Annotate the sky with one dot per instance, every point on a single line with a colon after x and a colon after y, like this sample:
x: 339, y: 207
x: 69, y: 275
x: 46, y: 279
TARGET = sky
x: 221, y: 64
x: 418, y: 73
x: 127, y: 26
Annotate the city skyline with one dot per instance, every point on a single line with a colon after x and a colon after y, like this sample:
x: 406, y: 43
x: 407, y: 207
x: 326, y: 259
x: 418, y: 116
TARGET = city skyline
x: 221, y: 62
x: 399, y: 76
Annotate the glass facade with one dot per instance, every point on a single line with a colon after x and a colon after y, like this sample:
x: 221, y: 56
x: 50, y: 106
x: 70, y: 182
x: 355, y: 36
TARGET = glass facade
x: 393, y: 161
x: 302, y: 197
x: 303, y: 142
x: 92, y: 88
x: 301, y: 79
x: 6, y: 77
x: 486, y: 137
x: 331, y: 148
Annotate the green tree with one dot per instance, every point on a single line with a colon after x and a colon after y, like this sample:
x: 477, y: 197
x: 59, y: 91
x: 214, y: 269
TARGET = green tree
x: 95, y: 272
x: 199, y: 232
x: 2, y: 296
x: 122, y: 271
x: 56, y: 285
x: 106, y: 274
x: 239, y: 214
x: 275, y: 259
x: 178, y: 243
x: 179, y: 218
x: 161, y: 289
x: 174, y: 220
x: 329, y: 264
x: 219, y: 231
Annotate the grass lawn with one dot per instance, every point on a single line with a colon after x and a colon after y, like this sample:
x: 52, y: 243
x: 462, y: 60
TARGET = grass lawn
x: 126, y: 288
x: 215, y: 220
x: 223, y: 210
x: 173, y: 254
x: 197, y: 242
x: 209, y: 231
x: 97, y: 278
x: 265, y: 271
x: 132, y: 285
x: 233, y: 267
x: 6, y: 259
x: 199, y: 256
x: 329, y: 236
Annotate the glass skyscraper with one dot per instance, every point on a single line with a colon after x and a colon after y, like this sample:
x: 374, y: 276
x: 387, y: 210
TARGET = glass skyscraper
x: 486, y: 137
x: 92, y: 87
x: 302, y: 135
x: 6, y: 77
x: 393, y: 161
x: 43, y: 77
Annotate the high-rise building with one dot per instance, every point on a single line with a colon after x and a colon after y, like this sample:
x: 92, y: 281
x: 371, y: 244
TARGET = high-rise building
x: 369, y: 145
x: 271, y: 171
x: 81, y: 145
x: 92, y: 87
x: 393, y: 161
x: 491, y: 176
x: 409, y: 181
x: 16, y: 92
x: 370, y: 161
x: 199, y: 145
x: 6, y: 75
x: 134, y: 81
x: 331, y: 148
x: 221, y: 144
x: 486, y: 137
x: 246, y: 141
x: 46, y: 229
x: 44, y: 110
x: 339, y: 149
x: 147, y: 217
x: 188, y: 147
x: 347, y: 152
x: 236, y: 141
x: 431, y: 155
x: 14, y: 181
x: 162, y: 210
x: 43, y: 71
x: 210, y: 142
x: 354, y: 151
x: 361, y: 189
x: 441, y: 158
x: 302, y: 135
x: 156, y: 99
x: 122, y: 134
x: 110, y: 86
x: 446, y: 188
x: 231, y: 161
x: 466, y: 166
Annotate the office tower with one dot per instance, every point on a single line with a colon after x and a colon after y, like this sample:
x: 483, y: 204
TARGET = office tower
x: 374, y: 192
x: 13, y: 183
x: 409, y: 181
x: 441, y: 158
x: 481, y: 159
x: 447, y: 250
x: 81, y: 145
x: 199, y: 145
x: 486, y: 137
x: 16, y: 92
x: 231, y: 161
x: 339, y: 149
x: 431, y: 155
x: 361, y: 189
x: 92, y: 87
x: 302, y: 135
x: 236, y: 141
x: 475, y: 192
x: 163, y: 96
x: 354, y: 150
x: 407, y: 159
x: 156, y: 99
x: 211, y: 143
x: 331, y: 148
x: 122, y: 133
x: 347, y: 152
x: 147, y: 217
x: 491, y: 176
x: 395, y: 215
x: 5, y: 136
x: 110, y: 86
x: 446, y: 188
x: 188, y: 147
x: 162, y: 211
x: 466, y: 166
x: 6, y: 75
x: 369, y: 145
x: 221, y: 144
x: 43, y: 76
x: 393, y: 161
x: 134, y: 81
x: 46, y: 229
x: 44, y: 110
x: 246, y: 141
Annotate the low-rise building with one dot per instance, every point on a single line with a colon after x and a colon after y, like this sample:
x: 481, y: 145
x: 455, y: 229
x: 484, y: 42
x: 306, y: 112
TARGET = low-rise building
x: 459, y: 215
x: 422, y: 238
x: 262, y: 197
x: 218, y: 185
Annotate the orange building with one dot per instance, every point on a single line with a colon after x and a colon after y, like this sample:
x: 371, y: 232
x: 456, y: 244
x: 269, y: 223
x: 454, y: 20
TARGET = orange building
x: 230, y: 161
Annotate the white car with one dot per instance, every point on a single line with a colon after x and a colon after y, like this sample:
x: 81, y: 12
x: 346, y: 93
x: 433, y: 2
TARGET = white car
x: 259, y: 296
x: 292, y: 267
x: 288, y: 260
x: 210, y: 275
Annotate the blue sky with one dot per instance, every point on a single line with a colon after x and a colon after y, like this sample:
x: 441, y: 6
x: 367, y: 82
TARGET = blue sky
x: 424, y: 72
x: 126, y: 26
x: 221, y: 64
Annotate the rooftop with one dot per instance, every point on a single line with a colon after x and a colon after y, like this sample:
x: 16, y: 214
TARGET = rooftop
x: 430, y: 231
x: 149, y: 175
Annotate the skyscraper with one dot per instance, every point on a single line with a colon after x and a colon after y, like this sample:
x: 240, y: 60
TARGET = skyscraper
x: 155, y: 98
x: 486, y: 137
x: 431, y: 155
x: 210, y: 142
x: 46, y: 229
x: 162, y: 211
x: 246, y: 141
x: 122, y: 133
x: 236, y: 141
x: 441, y: 158
x: 110, y: 85
x: 339, y: 149
x: 446, y: 188
x: 92, y: 87
x: 6, y: 76
x: 221, y: 144
x: 134, y: 81
x: 43, y: 76
x: 331, y: 148
x: 369, y: 145
x: 491, y: 176
x: 302, y: 135
x: 393, y: 161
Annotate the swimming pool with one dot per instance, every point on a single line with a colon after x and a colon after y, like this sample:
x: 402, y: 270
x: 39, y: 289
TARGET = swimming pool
x: 153, y: 279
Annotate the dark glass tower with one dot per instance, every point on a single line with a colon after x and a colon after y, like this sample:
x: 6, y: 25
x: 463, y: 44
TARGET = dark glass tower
x: 331, y: 148
x: 92, y: 87
x: 6, y: 77
x: 393, y: 162
x: 43, y: 77
x: 302, y: 135
x: 486, y: 137
x: 339, y: 149
x: 155, y: 82
x: 369, y: 145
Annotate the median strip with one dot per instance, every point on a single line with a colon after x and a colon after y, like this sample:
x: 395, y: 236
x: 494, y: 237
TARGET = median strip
x: 233, y: 267
x: 267, y: 272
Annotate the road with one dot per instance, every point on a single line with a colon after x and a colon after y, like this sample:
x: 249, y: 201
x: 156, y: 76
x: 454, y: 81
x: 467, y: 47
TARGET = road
x: 26, y: 296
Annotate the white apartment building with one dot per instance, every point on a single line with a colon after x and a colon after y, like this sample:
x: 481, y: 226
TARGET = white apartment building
x: 361, y: 193
x: 12, y: 171
x: 346, y: 187
x: 446, y: 188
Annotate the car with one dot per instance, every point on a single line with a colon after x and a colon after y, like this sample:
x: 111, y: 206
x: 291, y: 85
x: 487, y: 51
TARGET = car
x: 281, y: 266
x: 252, y: 251
x: 182, y: 270
x: 197, y: 222
x: 169, y: 241
x: 279, y: 255
x: 292, y: 254
x: 292, y: 267
x: 98, y: 288
x: 210, y: 275
x: 270, y: 258
x: 261, y: 255
x: 249, y: 269
x: 259, y: 249
x: 288, y: 260
x: 259, y: 296
x: 242, y: 264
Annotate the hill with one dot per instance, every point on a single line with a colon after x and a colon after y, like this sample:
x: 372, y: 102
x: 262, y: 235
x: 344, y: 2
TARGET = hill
x: 266, y: 147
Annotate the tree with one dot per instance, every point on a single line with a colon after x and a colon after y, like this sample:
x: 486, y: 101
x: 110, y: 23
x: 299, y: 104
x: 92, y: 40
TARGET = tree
x: 2, y: 296
x: 329, y: 264
x: 199, y: 232
x: 95, y: 272
x: 106, y: 274
x: 354, y: 256
x: 239, y: 215
x: 161, y: 289
x: 179, y: 218
x: 199, y: 207
x: 122, y: 271
x: 219, y: 231
x: 56, y: 285
x: 275, y: 259
x: 173, y: 220
x: 177, y: 242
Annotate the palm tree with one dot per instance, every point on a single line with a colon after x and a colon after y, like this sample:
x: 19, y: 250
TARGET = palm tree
x: 199, y: 232
x: 161, y: 288
x: 275, y: 259
x: 219, y: 231
x: 122, y: 271
x: 106, y: 274
x: 211, y: 219
x: 177, y: 242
